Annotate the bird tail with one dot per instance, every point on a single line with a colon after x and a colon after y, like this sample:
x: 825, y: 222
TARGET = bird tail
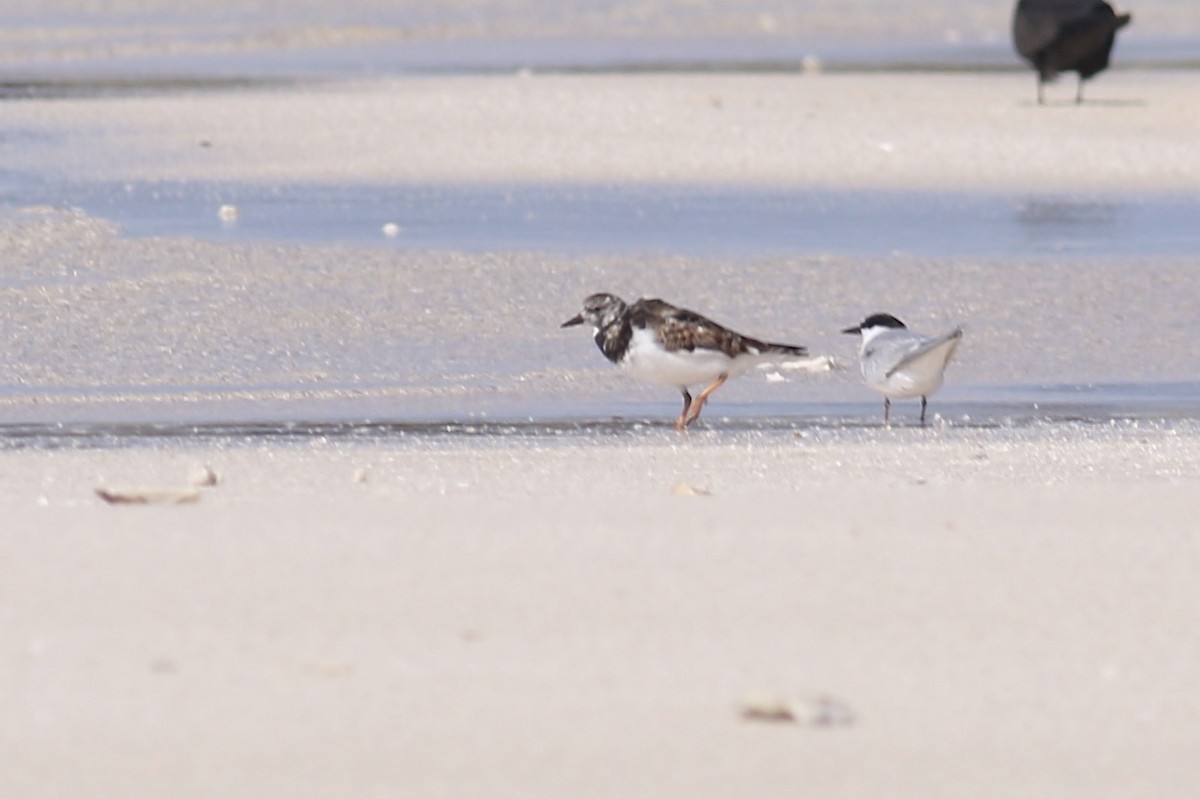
x: 790, y: 350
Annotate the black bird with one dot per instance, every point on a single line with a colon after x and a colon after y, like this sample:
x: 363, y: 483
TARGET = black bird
x: 1066, y: 36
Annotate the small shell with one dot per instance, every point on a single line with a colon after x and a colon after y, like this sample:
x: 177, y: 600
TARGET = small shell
x: 818, y: 711
x: 361, y: 475
x: 148, y: 496
x: 689, y: 490
x: 761, y: 707
x: 816, y: 363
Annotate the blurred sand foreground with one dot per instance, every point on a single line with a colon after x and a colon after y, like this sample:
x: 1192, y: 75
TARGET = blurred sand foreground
x: 958, y: 611
x: 943, y: 612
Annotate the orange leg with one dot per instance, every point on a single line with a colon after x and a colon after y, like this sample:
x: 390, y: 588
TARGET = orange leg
x: 687, y: 403
x: 702, y: 398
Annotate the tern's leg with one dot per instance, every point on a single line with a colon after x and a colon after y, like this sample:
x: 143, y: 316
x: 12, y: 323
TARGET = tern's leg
x: 687, y: 403
x: 924, y: 402
x: 702, y: 398
x: 1079, y: 91
x: 887, y: 409
x: 1041, y: 95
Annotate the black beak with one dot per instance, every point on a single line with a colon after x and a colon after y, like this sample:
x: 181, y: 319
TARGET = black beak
x: 852, y: 330
x: 574, y: 320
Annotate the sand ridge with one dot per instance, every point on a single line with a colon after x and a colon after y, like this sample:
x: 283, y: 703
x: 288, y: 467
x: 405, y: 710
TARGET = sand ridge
x: 948, y: 132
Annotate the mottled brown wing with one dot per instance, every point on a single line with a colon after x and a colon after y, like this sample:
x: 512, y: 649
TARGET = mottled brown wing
x: 681, y: 329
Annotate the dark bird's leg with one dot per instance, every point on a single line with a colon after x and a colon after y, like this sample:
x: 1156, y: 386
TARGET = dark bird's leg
x: 924, y: 402
x: 702, y: 398
x: 887, y: 409
x: 1079, y: 91
x: 687, y: 403
x: 1041, y: 92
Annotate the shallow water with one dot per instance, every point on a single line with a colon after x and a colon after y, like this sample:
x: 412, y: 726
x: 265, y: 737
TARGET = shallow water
x: 762, y: 430
x: 1012, y: 408
x: 720, y: 221
x: 366, y: 37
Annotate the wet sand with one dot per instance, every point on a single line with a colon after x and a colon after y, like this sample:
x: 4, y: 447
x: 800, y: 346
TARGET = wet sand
x: 104, y: 328
x: 996, y: 609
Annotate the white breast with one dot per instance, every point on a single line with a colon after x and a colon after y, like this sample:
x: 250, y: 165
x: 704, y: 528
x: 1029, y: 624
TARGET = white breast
x: 648, y: 361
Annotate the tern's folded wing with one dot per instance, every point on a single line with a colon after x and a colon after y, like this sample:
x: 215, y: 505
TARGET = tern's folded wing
x: 946, y: 341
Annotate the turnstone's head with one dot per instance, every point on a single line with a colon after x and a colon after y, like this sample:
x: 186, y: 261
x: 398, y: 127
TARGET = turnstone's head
x: 876, y: 323
x: 600, y: 310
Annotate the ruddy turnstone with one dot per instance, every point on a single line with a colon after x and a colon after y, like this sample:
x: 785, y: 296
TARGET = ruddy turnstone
x: 656, y: 342
x: 899, y: 363
x: 1065, y: 36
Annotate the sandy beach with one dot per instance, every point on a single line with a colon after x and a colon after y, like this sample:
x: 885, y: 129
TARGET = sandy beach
x: 945, y: 132
x: 452, y: 553
x: 987, y: 611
